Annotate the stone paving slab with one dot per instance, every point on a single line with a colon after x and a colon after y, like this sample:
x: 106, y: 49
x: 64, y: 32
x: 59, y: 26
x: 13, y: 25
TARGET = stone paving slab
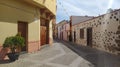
x: 97, y: 57
x: 57, y: 55
x: 65, y: 59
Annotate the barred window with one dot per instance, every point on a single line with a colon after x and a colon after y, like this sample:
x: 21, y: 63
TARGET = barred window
x: 81, y: 33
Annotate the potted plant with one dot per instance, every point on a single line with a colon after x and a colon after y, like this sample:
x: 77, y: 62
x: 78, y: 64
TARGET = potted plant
x: 14, y: 42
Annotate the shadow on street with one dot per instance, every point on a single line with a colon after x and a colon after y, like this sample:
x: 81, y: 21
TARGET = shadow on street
x: 97, y: 57
x: 5, y: 61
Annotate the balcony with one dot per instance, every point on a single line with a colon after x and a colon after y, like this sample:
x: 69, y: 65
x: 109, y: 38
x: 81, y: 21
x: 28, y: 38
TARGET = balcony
x: 48, y: 4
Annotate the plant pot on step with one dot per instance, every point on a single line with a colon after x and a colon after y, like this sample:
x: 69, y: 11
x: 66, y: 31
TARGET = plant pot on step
x: 14, y: 42
x: 13, y: 56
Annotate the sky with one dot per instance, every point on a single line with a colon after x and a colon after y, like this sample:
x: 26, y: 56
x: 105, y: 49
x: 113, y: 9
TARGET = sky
x: 67, y: 8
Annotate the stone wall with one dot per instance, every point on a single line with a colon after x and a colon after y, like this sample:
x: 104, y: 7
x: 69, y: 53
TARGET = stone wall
x: 105, y: 32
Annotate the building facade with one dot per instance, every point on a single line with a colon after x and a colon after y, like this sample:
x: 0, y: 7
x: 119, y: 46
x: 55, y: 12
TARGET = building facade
x: 56, y: 31
x: 63, y: 30
x: 76, y: 20
x: 32, y: 18
x: 102, y: 32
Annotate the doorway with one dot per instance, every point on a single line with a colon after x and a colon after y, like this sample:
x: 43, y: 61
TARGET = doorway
x: 43, y: 35
x: 23, y: 30
x: 89, y: 37
x: 74, y: 36
x: 44, y: 31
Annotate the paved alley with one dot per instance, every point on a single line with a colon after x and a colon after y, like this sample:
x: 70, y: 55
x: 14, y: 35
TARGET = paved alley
x: 57, y: 55
x: 96, y: 57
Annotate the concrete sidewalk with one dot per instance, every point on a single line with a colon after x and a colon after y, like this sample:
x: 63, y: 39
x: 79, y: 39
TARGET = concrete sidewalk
x: 57, y: 55
x: 96, y: 57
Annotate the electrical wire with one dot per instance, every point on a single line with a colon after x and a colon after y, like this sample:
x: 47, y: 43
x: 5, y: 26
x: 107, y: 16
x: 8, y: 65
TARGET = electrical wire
x: 65, y: 10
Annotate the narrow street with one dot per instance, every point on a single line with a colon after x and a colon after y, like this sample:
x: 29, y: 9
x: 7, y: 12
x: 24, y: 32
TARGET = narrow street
x: 59, y: 55
x: 59, y: 33
x: 96, y: 57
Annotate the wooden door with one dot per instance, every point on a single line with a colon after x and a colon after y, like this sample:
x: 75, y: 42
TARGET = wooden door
x: 89, y: 37
x: 74, y: 36
x: 43, y: 35
x: 23, y: 30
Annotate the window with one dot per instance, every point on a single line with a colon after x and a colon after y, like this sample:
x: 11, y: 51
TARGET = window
x: 81, y: 33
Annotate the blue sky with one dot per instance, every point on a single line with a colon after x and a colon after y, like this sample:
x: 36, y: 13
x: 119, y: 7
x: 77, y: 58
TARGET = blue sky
x: 84, y: 7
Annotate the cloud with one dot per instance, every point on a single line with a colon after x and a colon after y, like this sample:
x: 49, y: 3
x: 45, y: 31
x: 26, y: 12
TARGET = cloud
x: 71, y: 9
x: 85, y: 7
x: 74, y: 10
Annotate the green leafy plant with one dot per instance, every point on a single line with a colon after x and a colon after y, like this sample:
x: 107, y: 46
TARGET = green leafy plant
x: 13, y: 42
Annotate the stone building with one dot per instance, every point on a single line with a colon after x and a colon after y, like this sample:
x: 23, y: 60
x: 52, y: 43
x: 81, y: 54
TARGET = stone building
x: 102, y: 32
x: 75, y: 20
x: 32, y: 18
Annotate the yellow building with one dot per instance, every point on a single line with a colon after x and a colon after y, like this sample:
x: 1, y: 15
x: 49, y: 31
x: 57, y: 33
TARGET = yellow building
x: 29, y: 17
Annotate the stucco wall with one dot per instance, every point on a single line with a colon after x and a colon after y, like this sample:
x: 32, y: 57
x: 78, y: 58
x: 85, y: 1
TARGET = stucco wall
x: 34, y: 36
x: 105, y: 32
x: 49, y: 4
x: 66, y: 32
x: 50, y: 32
x: 58, y: 32
x: 78, y: 19
x: 12, y: 11
x: 67, y: 26
x: 63, y: 30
